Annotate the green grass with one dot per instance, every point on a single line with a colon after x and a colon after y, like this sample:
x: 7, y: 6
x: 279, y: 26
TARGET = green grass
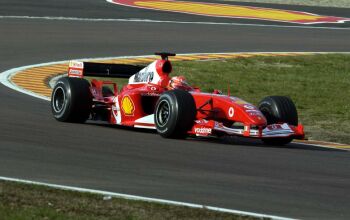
x: 318, y: 84
x: 29, y: 202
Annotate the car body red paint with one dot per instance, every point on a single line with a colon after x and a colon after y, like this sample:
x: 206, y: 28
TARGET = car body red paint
x: 216, y: 114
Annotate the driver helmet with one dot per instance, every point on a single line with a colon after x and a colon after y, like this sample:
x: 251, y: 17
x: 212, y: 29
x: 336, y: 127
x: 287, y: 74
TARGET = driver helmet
x: 179, y: 82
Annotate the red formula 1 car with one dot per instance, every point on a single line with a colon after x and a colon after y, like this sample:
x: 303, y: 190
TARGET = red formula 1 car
x: 153, y: 100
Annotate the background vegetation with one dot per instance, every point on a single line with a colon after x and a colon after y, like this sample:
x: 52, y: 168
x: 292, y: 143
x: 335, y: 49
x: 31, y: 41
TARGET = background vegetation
x: 318, y: 84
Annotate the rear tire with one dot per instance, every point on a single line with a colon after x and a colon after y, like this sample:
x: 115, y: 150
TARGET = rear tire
x: 71, y: 100
x: 278, y: 109
x: 175, y: 114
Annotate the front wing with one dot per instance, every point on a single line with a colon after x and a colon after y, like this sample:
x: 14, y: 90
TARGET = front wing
x: 210, y: 127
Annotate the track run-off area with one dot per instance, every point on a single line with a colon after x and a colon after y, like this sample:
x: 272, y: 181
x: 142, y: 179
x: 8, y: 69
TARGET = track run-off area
x: 296, y: 181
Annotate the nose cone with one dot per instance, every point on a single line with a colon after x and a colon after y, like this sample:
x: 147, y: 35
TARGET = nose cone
x: 257, y: 118
x: 250, y: 113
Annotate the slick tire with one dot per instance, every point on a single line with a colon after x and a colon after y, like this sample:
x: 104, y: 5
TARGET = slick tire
x: 278, y: 109
x: 175, y: 113
x: 71, y: 100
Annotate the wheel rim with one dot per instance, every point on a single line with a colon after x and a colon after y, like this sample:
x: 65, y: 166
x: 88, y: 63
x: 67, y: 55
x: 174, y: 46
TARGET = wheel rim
x: 59, y: 98
x: 163, y: 113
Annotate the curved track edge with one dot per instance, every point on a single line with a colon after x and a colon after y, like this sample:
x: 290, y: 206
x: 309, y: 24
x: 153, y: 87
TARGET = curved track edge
x: 145, y: 199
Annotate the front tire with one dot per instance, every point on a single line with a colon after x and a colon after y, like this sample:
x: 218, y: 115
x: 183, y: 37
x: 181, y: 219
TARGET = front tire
x: 71, y: 100
x: 175, y: 114
x: 278, y: 109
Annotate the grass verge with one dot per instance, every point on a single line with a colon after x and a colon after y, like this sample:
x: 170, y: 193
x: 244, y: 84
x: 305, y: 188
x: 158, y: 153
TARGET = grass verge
x: 27, y: 202
x: 318, y: 84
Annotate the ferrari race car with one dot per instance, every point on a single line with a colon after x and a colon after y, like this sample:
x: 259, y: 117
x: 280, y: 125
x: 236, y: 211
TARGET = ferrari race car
x: 153, y: 100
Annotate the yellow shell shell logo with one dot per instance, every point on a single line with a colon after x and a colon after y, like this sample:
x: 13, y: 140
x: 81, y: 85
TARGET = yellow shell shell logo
x: 127, y: 105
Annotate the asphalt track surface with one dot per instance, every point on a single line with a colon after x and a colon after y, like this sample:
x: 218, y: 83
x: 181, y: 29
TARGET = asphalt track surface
x: 293, y: 181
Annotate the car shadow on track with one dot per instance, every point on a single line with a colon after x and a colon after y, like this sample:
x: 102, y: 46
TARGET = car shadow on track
x: 120, y: 127
x: 225, y: 140
x: 232, y: 140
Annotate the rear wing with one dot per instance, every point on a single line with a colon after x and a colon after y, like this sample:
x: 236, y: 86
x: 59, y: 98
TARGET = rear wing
x: 80, y: 69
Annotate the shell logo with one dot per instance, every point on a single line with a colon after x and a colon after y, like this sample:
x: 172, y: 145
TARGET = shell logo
x: 128, y: 105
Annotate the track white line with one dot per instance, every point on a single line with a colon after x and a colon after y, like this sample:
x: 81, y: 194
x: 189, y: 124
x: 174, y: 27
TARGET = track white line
x: 165, y: 21
x: 5, y: 79
x: 145, y: 199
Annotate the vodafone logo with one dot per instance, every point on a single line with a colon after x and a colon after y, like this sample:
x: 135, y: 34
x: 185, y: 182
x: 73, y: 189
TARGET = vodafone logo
x: 203, y: 130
